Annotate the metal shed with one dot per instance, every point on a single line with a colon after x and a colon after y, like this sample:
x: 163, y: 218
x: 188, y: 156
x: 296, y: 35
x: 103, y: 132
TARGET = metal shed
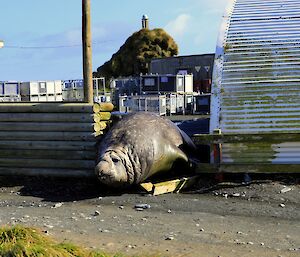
x: 256, y: 86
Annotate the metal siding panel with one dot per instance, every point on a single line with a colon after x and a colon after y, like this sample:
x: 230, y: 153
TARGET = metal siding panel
x: 284, y: 153
x: 256, y: 81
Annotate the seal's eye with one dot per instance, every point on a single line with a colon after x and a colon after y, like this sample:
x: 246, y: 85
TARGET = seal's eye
x: 114, y: 159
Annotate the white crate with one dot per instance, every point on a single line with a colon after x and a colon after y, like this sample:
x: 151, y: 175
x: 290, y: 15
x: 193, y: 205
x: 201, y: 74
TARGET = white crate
x: 10, y: 88
x: 54, y: 98
x: 50, y: 87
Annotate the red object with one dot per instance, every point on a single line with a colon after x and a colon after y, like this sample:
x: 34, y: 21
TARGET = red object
x: 206, y: 86
x: 197, y: 85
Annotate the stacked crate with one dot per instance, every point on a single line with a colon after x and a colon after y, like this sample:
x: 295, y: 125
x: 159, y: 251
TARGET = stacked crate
x: 73, y: 91
x: 10, y: 91
x: 41, y: 91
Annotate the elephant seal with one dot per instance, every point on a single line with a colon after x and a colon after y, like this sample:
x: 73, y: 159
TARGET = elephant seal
x: 138, y: 146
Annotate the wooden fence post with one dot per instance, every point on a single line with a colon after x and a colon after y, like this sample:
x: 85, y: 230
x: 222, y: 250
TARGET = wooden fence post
x: 217, y: 154
x: 87, y: 52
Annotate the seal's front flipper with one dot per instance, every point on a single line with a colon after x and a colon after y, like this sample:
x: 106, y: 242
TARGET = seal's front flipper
x: 168, y: 155
x: 190, y: 149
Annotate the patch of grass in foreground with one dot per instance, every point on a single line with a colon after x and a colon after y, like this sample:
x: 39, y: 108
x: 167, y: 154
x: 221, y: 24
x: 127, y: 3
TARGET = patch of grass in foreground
x: 20, y: 241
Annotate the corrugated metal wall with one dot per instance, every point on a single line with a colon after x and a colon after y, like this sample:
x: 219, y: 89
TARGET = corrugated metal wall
x: 256, y: 80
x: 257, y: 77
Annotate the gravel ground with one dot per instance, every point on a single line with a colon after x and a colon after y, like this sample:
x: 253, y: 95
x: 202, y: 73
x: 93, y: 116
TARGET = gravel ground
x: 211, y: 219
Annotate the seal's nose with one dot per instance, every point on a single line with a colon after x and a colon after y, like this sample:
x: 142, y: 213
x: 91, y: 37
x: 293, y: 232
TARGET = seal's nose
x: 103, y: 172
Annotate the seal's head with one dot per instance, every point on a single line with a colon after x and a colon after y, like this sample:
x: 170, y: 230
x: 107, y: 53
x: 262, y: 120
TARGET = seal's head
x: 111, y: 169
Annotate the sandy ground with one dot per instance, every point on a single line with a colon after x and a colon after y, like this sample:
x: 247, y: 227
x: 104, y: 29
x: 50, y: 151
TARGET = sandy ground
x: 229, y: 219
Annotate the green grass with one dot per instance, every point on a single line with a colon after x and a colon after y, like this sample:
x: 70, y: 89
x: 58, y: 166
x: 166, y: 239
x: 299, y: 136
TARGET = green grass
x: 21, y: 241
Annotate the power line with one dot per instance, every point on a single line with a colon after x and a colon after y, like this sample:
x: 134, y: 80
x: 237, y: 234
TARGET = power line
x: 54, y: 47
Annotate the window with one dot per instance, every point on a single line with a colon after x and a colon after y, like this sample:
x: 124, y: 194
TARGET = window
x: 164, y: 79
x: 149, y: 82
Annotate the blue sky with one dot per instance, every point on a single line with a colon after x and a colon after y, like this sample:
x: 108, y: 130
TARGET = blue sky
x: 29, y: 27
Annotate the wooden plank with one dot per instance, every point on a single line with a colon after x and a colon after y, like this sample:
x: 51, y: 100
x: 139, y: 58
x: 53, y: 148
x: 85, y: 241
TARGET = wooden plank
x: 46, y: 163
x: 260, y: 168
x: 46, y: 108
x: 46, y: 117
x: 103, y: 107
x: 166, y: 187
x: 6, y: 171
x: 50, y: 154
x: 231, y: 138
x: 41, y: 136
x: 172, y: 186
x: 148, y: 186
x: 48, y: 145
x: 47, y: 126
x: 248, y: 168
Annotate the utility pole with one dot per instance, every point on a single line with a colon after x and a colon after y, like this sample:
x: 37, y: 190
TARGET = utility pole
x: 87, y: 51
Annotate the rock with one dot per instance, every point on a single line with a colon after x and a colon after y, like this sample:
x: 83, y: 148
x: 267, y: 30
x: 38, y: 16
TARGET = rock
x: 48, y: 226
x: 169, y: 238
x: 201, y: 229
x: 97, y: 213
x: 142, y: 206
x: 236, y: 194
x: 57, y: 205
x: 131, y: 246
x: 282, y: 205
x: 103, y: 230
x: 285, y: 189
x: 169, y: 211
x: 121, y: 207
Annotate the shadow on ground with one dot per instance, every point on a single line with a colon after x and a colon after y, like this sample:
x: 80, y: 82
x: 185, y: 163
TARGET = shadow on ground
x: 61, y: 189
x: 75, y: 189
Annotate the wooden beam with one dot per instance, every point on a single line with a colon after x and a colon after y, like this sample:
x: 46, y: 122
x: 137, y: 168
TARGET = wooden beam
x: 260, y: 168
x: 47, y: 163
x: 101, y: 125
x: 103, y: 107
x: 87, y: 51
x: 47, y: 126
x: 41, y: 136
x: 48, y: 145
x: 102, y: 116
x: 237, y: 138
x: 46, y: 107
x: 247, y: 168
x: 6, y: 171
x: 46, y: 117
x: 44, y: 154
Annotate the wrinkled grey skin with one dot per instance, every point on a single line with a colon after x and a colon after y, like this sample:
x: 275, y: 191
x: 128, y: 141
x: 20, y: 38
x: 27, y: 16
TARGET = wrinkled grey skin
x: 138, y: 146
